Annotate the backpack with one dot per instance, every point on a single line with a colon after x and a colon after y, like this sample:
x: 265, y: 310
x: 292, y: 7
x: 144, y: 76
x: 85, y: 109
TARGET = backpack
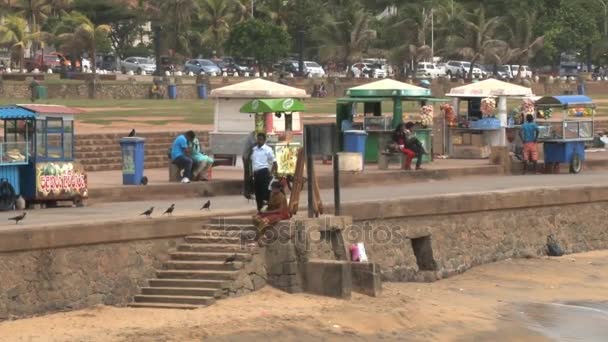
x: 553, y: 248
x: 7, y: 195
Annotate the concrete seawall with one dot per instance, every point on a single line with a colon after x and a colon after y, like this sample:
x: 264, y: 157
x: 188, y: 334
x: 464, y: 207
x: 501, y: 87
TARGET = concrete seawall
x: 421, y: 239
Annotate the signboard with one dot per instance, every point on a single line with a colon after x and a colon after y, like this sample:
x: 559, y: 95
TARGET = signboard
x: 60, y: 180
x: 287, y: 157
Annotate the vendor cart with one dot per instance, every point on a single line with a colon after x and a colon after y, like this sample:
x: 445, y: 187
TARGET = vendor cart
x: 37, y: 156
x: 565, y: 124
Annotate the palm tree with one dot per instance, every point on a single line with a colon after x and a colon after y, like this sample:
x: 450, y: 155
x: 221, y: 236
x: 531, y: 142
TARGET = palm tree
x: 346, y: 35
x: 524, y: 40
x: 13, y: 34
x: 278, y: 11
x: 477, y: 38
x: 84, y: 37
x: 217, y: 16
x: 36, y: 12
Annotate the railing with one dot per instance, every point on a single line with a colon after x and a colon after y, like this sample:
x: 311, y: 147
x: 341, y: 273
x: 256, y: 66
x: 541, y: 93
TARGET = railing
x: 14, y: 153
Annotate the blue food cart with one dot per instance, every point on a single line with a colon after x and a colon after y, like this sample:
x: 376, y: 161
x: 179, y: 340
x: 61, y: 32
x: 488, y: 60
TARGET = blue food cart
x: 566, y: 124
x: 37, y: 156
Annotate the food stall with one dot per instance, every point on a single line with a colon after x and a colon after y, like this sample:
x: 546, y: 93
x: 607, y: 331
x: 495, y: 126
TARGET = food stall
x: 472, y: 132
x: 37, y: 154
x: 378, y: 126
x: 231, y: 127
x: 565, y: 124
x: 283, y: 144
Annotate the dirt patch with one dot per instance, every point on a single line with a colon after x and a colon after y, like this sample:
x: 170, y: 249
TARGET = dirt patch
x: 109, y: 109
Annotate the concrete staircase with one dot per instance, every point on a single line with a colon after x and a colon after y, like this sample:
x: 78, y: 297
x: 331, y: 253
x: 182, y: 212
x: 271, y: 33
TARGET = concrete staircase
x: 101, y: 152
x: 196, y: 274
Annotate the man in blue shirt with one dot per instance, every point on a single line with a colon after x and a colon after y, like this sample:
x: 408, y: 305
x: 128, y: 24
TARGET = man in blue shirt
x: 180, y: 154
x: 262, y: 164
x: 529, y: 136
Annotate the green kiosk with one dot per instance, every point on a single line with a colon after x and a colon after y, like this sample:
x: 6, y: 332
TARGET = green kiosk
x: 378, y: 127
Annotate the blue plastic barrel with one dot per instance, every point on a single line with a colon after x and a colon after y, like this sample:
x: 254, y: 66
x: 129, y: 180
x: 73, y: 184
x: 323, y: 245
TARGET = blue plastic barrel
x: 172, y: 90
x: 354, y: 141
x: 132, y: 160
x: 202, y: 91
x: 580, y: 88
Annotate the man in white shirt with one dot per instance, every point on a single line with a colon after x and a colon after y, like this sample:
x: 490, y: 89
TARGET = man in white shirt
x: 263, y: 164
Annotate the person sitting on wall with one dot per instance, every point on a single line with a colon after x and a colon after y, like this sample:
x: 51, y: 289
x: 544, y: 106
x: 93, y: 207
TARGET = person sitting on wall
x: 181, y: 154
x: 157, y: 92
x: 409, y: 145
x: 276, y: 211
x: 202, y: 162
x: 322, y: 91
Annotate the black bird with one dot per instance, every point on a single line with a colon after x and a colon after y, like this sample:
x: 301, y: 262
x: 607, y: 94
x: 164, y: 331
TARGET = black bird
x: 144, y: 180
x: 169, y: 210
x: 17, y: 218
x: 230, y: 259
x: 132, y: 134
x: 207, y: 205
x: 148, y: 212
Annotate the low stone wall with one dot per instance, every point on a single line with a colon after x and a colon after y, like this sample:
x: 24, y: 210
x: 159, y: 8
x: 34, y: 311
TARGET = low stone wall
x: 433, y: 238
x: 41, y: 281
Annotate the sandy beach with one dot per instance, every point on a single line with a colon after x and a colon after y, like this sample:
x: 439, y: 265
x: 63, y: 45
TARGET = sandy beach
x: 512, y: 300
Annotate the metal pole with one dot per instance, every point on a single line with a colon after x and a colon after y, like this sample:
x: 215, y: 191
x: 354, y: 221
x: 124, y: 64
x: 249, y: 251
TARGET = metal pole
x: 252, y: 4
x: 336, y: 163
x: 309, y: 166
x: 432, y: 35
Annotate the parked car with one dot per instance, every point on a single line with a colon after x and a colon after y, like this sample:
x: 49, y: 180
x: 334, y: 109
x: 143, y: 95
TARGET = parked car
x: 106, y: 62
x: 314, y: 69
x: 428, y: 70
x: 137, y: 65
x: 166, y: 64
x: 289, y: 67
x: 461, y: 69
x: 201, y: 66
x: 372, y: 70
x: 233, y: 68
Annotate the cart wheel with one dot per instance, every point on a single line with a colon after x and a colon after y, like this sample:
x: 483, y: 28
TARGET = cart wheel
x: 78, y: 202
x: 576, y: 165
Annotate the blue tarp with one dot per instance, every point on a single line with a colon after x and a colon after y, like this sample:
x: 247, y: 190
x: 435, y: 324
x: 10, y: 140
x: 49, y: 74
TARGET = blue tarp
x: 565, y: 100
x: 15, y: 113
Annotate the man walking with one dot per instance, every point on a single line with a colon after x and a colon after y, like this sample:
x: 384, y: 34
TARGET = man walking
x: 180, y: 154
x: 262, y: 163
x: 529, y: 136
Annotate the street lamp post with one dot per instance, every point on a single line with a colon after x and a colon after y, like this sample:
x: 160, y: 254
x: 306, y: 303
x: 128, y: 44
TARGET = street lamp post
x: 252, y: 4
x: 605, y: 5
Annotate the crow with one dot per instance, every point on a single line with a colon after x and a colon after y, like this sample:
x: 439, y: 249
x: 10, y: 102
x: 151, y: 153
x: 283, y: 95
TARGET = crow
x: 148, y: 212
x: 17, y: 218
x: 169, y: 210
x: 144, y: 180
x: 132, y: 134
x: 230, y: 259
x: 207, y: 205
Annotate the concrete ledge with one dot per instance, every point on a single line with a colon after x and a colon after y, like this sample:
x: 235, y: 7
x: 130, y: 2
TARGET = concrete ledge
x: 31, y: 238
x: 328, y: 278
x: 366, y: 278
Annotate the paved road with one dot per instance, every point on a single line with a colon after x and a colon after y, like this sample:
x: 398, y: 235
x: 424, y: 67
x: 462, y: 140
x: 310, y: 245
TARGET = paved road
x: 130, y: 210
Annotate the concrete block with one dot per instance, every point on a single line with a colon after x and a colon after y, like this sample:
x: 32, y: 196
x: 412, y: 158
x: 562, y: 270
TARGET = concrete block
x: 276, y: 269
x: 366, y: 278
x: 290, y: 268
x: 328, y: 278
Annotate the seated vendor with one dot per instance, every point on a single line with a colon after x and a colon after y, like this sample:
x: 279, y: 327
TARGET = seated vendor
x: 276, y: 211
x: 202, y: 162
x: 409, y: 145
x: 156, y: 92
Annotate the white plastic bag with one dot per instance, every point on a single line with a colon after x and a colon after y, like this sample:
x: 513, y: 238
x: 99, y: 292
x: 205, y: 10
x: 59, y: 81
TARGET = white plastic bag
x: 362, y: 254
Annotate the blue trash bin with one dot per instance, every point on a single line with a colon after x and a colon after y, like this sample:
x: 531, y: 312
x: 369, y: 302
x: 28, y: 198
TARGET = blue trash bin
x: 132, y: 160
x: 202, y: 91
x: 580, y: 88
x: 172, y: 91
x: 354, y: 141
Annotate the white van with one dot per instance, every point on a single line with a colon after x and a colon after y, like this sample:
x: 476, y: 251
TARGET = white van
x: 428, y: 70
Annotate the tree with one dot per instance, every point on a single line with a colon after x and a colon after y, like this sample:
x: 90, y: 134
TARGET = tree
x: 245, y: 38
x: 86, y: 36
x: 217, y: 16
x: 13, y: 35
x: 346, y: 35
x: 36, y: 12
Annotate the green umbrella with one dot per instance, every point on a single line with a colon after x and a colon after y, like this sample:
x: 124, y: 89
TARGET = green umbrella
x: 272, y: 106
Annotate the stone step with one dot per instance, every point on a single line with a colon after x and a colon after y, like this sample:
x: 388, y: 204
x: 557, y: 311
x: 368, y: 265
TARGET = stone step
x: 99, y: 136
x: 181, y: 291
x: 187, y: 283
x: 202, y: 265
x: 197, y: 274
x: 193, y: 256
x: 192, y: 300
x: 118, y: 166
x: 116, y: 142
x: 117, y: 160
x: 163, y: 306
x: 217, y: 248
x: 229, y: 227
x: 116, y: 153
x: 234, y: 220
x: 241, y: 234
x: 116, y: 147
x: 198, y: 239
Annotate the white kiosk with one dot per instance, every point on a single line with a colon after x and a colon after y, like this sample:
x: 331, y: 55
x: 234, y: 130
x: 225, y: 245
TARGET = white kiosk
x: 231, y: 127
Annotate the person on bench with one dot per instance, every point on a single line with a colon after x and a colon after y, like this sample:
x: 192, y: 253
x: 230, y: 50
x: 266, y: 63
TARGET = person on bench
x: 202, y: 162
x: 409, y: 145
x: 181, y: 154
